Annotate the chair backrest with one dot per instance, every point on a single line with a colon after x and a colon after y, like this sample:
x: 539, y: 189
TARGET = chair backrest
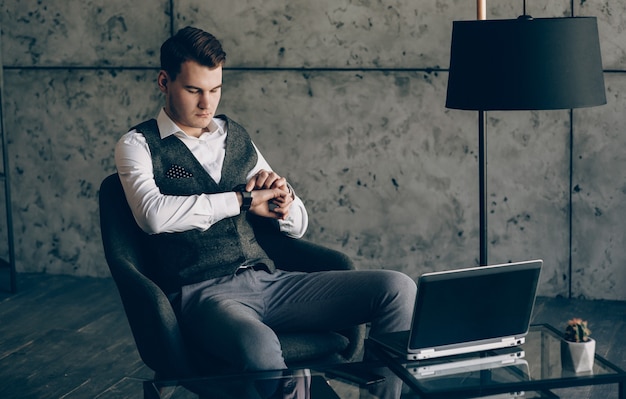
x: 149, y: 312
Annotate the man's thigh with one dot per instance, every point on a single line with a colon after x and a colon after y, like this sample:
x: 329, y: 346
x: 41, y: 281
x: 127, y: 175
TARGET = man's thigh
x: 333, y: 300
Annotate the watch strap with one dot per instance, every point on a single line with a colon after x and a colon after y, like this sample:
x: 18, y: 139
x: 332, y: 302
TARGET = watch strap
x: 246, y: 197
x: 246, y: 203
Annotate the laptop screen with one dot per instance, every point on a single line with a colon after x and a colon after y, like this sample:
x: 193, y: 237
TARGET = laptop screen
x: 474, y: 304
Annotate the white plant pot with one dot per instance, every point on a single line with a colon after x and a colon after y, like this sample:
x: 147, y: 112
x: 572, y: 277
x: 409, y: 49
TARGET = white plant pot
x: 578, y: 356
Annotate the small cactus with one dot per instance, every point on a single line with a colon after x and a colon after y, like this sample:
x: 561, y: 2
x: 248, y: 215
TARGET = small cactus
x: 577, y: 331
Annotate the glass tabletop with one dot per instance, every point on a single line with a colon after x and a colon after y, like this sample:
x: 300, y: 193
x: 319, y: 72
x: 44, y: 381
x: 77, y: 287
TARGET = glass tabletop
x: 297, y: 384
x: 529, y: 371
x: 534, y: 366
x: 293, y: 383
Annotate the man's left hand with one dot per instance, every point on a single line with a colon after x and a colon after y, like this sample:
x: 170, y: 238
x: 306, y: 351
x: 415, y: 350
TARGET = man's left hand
x: 264, y: 179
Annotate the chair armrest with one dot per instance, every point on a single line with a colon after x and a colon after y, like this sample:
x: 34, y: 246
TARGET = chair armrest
x: 305, y: 256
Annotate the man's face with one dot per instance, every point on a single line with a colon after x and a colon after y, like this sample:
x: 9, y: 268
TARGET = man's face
x: 192, y: 99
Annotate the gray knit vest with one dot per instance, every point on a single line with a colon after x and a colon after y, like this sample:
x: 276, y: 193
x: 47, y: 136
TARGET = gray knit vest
x: 192, y: 256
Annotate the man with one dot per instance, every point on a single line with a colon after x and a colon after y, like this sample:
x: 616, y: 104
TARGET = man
x: 190, y: 178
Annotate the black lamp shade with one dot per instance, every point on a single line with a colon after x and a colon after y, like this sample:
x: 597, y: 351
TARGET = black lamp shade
x: 525, y: 64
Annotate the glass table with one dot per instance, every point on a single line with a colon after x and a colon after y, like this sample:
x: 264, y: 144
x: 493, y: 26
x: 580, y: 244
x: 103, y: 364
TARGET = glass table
x: 529, y: 371
x: 534, y: 366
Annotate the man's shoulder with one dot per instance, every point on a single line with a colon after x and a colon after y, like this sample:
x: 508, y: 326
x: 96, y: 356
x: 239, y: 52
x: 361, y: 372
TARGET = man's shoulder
x: 135, y: 135
x: 149, y: 125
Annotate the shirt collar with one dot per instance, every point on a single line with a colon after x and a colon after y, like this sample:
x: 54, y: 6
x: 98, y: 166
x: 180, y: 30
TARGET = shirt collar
x: 167, y: 127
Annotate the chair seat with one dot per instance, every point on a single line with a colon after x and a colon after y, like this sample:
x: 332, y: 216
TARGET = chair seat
x: 310, y: 346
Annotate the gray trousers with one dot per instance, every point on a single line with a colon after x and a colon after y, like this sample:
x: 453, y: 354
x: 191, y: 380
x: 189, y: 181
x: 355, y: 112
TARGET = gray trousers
x: 236, y: 318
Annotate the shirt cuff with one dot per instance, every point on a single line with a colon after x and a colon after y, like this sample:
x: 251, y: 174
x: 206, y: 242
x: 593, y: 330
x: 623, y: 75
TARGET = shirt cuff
x: 225, y: 205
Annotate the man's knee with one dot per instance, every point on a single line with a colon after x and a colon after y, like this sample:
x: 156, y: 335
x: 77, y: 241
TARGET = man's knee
x: 257, y: 349
x: 230, y: 333
x: 398, y: 300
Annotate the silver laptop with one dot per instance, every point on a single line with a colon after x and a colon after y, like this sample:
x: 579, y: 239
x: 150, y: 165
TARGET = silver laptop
x: 468, y: 310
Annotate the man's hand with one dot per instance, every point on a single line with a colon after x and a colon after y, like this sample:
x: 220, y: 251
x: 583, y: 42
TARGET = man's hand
x: 266, y: 179
x: 271, y: 203
x: 271, y: 196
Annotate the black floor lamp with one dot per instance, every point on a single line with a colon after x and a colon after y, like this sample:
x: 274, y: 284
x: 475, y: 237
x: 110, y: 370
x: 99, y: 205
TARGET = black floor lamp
x: 522, y: 64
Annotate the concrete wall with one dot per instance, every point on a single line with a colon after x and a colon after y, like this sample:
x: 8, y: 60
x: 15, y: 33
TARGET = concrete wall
x: 346, y: 99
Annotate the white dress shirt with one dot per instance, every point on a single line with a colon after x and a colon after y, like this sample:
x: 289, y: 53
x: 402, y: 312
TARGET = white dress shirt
x: 158, y: 213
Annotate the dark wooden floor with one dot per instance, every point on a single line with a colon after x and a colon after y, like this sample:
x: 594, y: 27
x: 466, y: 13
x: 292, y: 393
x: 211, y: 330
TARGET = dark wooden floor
x: 67, y: 337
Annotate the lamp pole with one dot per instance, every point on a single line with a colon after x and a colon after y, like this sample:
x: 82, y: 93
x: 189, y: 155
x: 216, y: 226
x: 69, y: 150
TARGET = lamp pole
x: 481, y: 9
x: 482, y: 187
x: 481, y: 14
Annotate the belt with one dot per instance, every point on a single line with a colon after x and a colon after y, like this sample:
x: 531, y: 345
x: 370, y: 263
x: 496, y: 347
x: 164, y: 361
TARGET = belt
x: 255, y: 267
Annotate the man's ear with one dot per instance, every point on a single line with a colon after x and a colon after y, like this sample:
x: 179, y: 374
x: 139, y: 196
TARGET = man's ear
x: 162, y: 81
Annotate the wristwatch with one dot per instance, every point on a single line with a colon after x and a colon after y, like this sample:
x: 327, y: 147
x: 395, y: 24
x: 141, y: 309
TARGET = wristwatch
x: 246, y: 197
x: 247, y: 200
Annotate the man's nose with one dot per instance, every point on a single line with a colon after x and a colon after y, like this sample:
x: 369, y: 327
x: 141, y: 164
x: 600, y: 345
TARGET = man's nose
x: 205, y: 101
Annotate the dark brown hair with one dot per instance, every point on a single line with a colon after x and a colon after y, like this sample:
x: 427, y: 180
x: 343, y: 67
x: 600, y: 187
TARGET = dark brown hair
x: 191, y: 44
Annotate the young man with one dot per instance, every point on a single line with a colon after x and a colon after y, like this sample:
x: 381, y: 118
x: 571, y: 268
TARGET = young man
x: 190, y: 177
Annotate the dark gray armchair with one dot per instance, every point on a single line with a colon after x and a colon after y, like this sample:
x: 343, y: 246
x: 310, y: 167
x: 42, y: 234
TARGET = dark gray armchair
x: 153, y: 322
